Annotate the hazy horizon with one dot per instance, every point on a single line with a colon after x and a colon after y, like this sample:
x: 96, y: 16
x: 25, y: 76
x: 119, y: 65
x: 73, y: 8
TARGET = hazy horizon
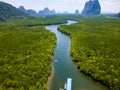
x: 107, y: 6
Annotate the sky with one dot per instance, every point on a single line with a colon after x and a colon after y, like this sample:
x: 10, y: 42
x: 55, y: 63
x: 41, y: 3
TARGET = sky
x: 107, y: 6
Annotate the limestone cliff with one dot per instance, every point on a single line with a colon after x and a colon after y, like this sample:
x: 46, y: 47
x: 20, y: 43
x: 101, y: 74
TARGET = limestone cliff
x: 92, y: 7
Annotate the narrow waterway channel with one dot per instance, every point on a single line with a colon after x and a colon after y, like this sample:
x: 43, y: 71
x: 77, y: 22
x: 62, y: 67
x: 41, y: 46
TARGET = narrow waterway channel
x: 64, y: 68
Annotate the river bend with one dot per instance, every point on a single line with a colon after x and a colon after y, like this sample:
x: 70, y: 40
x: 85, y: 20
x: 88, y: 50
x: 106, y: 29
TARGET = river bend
x: 64, y: 68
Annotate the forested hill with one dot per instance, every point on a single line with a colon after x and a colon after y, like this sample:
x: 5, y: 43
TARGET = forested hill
x: 8, y: 11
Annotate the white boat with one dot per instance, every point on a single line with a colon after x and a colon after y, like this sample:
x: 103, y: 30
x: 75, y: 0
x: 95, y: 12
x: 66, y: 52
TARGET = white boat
x: 68, y: 84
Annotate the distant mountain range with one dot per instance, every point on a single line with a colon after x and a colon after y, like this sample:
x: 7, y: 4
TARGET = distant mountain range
x: 29, y: 11
x: 8, y: 11
x: 45, y: 11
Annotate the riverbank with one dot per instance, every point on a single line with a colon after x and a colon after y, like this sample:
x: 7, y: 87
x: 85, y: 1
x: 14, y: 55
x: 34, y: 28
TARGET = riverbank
x: 92, y: 50
x: 49, y: 80
x: 64, y: 67
x: 51, y: 75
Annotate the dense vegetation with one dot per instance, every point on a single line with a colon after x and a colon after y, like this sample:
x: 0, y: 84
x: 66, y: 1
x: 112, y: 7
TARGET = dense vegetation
x: 37, y: 21
x: 25, y: 54
x: 95, y: 49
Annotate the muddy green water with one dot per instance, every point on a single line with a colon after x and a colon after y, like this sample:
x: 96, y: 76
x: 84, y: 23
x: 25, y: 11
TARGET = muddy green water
x: 64, y: 68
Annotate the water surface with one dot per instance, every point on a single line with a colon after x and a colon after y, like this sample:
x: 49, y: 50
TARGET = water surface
x: 64, y: 68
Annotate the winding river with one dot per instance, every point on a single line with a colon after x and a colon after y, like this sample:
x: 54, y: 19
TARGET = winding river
x: 64, y: 68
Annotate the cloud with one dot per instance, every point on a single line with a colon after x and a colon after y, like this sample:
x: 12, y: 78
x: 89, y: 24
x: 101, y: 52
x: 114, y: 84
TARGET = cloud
x: 110, y: 5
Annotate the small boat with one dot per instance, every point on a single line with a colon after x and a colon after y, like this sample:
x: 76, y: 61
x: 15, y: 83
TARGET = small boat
x: 68, y: 84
